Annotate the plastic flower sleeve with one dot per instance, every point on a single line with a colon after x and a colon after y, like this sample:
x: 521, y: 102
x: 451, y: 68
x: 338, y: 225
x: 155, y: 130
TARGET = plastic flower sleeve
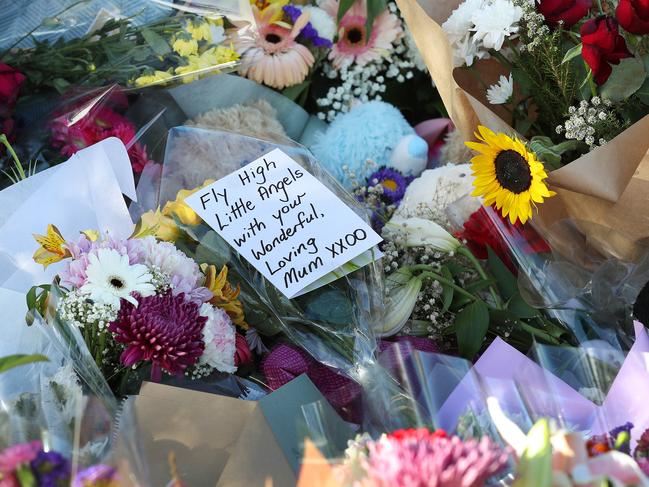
x: 334, y: 322
x: 53, y: 128
x: 574, y: 284
x: 134, y: 44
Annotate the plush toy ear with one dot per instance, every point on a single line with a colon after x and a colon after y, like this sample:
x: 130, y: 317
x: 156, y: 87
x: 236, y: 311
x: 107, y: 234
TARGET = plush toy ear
x: 410, y: 156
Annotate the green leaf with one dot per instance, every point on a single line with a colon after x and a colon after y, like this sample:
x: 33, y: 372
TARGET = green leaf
x: 479, y: 285
x: 447, y: 291
x: 520, y: 309
x: 549, y: 152
x: 343, y: 7
x: 156, y: 42
x: 505, y: 280
x: 626, y: 78
x: 11, y: 361
x: 572, y: 53
x: 535, y: 465
x: 293, y: 92
x: 374, y: 9
x: 471, y: 325
x: 60, y: 84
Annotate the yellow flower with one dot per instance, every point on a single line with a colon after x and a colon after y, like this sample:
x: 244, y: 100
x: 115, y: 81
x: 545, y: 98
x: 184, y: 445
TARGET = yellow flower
x: 185, y: 47
x: 507, y: 175
x: 52, y: 247
x: 225, y: 296
x: 92, y: 235
x: 200, y: 31
x: 207, y: 62
x: 181, y: 210
x: 155, y: 223
x: 158, y: 77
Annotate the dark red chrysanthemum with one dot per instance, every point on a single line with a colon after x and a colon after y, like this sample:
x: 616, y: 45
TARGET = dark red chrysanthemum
x: 165, y: 330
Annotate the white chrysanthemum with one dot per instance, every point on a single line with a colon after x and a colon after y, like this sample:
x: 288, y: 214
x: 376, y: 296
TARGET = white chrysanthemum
x: 501, y: 92
x: 495, y: 22
x: 460, y: 21
x: 433, y: 193
x: 220, y: 340
x: 110, y: 278
x: 321, y: 21
x: 164, y: 256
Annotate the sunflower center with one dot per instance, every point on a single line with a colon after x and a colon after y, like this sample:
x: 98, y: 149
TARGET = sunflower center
x: 116, y: 282
x: 390, y: 184
x: 354, y: 35
x: 273, y: 38
x: 513, y: 171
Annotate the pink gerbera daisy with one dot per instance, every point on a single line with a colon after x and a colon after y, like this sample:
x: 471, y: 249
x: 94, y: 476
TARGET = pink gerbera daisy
x: 272, y: 56
x: 353, y: 46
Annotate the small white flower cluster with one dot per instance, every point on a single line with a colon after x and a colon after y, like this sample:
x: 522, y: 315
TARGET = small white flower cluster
x: 427, y: 318
x: 160, y: 280
x: 586, y: 121
x: 361, y: 84
x: 534, y: 25
x: 81, y: 311
x: 477, y: 26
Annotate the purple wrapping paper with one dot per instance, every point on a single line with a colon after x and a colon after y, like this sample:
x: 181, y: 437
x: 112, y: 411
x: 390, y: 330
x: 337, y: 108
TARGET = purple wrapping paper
x: 525, y: 388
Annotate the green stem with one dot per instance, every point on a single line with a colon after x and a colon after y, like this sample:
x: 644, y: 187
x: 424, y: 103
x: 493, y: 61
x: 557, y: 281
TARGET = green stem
x: 426, y: 271
x: 539, y: 333
x: 478, y: 267
x: 19, y: 167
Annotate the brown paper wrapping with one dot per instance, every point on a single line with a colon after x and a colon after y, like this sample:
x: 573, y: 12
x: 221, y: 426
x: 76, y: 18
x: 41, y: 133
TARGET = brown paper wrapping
x: 605, y: 191
x: 218, y: 441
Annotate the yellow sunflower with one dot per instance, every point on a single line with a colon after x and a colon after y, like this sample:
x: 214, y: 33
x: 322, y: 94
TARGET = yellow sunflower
x: 507, y: 174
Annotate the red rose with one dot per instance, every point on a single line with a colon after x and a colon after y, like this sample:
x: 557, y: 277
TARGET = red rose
x: 481, y: 232
x: 10, y: 81
x: 568, y: 11
x: 602, y: 46
x: 633, y: 15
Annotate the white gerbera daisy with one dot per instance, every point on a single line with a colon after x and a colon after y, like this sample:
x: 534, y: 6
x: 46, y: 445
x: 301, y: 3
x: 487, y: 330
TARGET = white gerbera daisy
x: 501, y: 92
x: 110, y: 278
x: 495, y: 22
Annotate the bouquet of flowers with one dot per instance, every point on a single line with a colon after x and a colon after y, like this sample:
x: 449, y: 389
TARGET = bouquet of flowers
x: 179, y: 43
x: 141, y: 305
x: 568, y: 79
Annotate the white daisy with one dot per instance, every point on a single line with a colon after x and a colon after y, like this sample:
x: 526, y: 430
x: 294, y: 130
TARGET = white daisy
x: 110, y: 278
x: 501, y: 92
x: 495, y: 22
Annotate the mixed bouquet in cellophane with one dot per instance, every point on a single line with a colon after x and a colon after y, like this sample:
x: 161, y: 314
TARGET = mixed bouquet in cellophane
x: 143, y: 43
x: 571, y: 416
x: 332, y: 322
x: 50, y: 129
x: 569, y: 78
x: 71, y: 81
x: 58, y: 421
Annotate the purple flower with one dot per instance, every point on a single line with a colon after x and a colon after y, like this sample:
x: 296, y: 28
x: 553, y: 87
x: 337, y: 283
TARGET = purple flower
x: 97, y: 476
x: 414, y: 457
x: 394, y: 183
x: 622, y: 443
x: 308, y: 32
x: 165, y: 330
x: 51, y: 469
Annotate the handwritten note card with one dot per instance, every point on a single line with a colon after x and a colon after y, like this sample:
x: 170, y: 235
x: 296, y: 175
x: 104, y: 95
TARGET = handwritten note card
x: 284, y: 221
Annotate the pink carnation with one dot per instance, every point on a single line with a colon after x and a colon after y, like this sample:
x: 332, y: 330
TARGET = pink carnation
x: 14, y: 456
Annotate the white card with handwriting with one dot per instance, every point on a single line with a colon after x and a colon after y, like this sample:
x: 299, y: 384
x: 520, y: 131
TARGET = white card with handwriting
x: 286, y: 223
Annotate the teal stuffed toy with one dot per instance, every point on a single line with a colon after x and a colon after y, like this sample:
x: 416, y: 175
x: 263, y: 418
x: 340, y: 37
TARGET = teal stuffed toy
x: 374, y: 131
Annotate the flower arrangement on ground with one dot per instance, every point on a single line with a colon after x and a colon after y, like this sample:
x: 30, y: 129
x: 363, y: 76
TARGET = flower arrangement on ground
x: 141, y: 304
